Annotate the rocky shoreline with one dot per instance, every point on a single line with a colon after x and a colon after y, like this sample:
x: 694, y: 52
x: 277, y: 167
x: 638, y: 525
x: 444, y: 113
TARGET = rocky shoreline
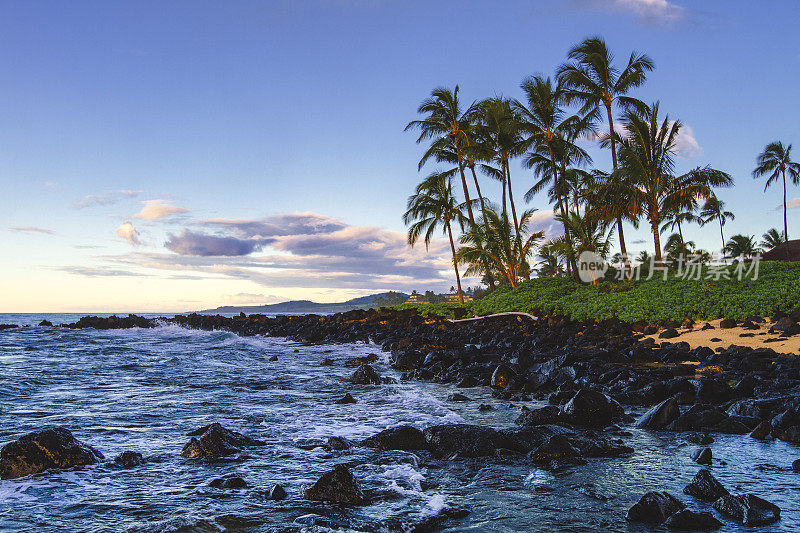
x: 590, y: 374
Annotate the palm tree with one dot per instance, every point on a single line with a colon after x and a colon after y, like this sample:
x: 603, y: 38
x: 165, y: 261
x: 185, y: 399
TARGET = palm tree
x: 714, y: 209
x: 594, y: 81
x: 590, y: 234
x: 499, y: 128
x: 646, y: 158
x: 446, y: 125
x: 771, y: 239
x: 549, y: 134
x: 433, y: 205
x: 497, y: 244
x: 677, y: 249
x: 549, y: 261
x: 741, y: 246
x: 775, y: 161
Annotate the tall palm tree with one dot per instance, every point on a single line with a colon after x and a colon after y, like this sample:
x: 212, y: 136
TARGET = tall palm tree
x: 741, y: 246
x: 714, y: 209
x: 675, y: 219
x: 431, y: 206
x: 594, y: 81
x: 646, y: 159
x: 497, y: 244
x: 446, y: 124
x: 775, y: 161
x: 499, y: 127
x: 549, y: 135
x: 771, y: 239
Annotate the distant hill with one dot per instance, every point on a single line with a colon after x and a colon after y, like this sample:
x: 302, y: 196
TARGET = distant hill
x: 307, y: 306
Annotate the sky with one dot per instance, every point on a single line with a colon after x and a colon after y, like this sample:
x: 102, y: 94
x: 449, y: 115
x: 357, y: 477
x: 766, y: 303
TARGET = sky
x: 174, y: 156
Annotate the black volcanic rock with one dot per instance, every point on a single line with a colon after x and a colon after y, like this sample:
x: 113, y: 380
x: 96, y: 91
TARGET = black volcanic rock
x: 661, y: 415
x: 365, y: 375
x: 397, y: 438
x: 687, y: 520
x: 228, y: 482
x: 702, y: 456
x: 347, y: 398
x: 591, y: 408
x: 464, y: 440
x: 705, y: 486
x: 337, y: 486
x: 748, y: 510
x: 53, y: 447
x: 129, y: 459
x: 655, y: 508
x: 214, y: 440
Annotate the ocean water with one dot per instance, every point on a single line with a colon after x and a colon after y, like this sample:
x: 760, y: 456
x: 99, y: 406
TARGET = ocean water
x: 143, y: 390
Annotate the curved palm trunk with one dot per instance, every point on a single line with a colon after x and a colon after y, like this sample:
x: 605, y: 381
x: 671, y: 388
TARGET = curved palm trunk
x: 511, y: 197
x: 721, y: 236
x: 455, y: 264
x: 489, y: 276
x: 623, y: 249
x: 505, y: 212
x: 464, y: 185
x: 656, y: 240
x: 785, y: 225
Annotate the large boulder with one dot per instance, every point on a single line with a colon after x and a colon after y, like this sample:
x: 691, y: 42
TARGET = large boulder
x: 338, y: 486
x: 655, y: 508
x: 397, y: 438
x: 49, y: 448
x: 702, y: 456
x: 661, y: 415
x: 365, y: 375
x: 502, y: 377
x: 214, y: 440
x: 558, y: 449
x: 464, y: 440
x: 591, y: 408
x: 129, y: 459
x: 687, y: 520
x: 706, y: 487
x: 748, y: 510
x: 549, y: 414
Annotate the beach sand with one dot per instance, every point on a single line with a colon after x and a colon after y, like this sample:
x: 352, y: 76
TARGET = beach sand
x: 695, y: 337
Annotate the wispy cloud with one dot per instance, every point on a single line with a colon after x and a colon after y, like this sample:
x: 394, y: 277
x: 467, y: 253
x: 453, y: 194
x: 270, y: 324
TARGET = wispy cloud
x: 648, y: 12
x: 201, y: 244
x: 105, y: 198
x: 156, y: 209
x: 99, y: 272
x: 127, y: 232
x: 31, y: 229
x: 791, y: 204
x: 250, y: 298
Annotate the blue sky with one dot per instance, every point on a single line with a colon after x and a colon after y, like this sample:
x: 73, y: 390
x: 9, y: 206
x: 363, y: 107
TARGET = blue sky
x: 137, y: 136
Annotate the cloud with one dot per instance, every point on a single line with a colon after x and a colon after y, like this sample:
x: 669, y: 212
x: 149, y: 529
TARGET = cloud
x: 106, y: 198
x: 31, y: 229
x: 647, y: 12
x: 791, y: 204
x: 250, y: 298
x: 128, y: 232
x: 289, y: 224
x: 201, y: 244
x: 155, y: 209
x: 91, y: 272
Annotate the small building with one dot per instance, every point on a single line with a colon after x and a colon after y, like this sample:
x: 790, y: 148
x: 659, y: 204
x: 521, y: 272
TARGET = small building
x: 453, y: 297
x: 416, y: 299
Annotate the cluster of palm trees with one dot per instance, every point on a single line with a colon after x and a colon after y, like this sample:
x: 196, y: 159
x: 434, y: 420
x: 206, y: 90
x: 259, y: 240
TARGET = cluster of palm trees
x: 546, y: 129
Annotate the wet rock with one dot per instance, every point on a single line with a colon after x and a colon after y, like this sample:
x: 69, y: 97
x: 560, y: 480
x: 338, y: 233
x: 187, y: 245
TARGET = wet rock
x: 347, y: 398
x: 46, y: 323
x: 485, y: 407
x: 456, y: 397
x: 670, y: 333
x: 326, y: 362
x: 273, y: 358
x: 732, y: 427
x: 700, y: 438
x: 214, y: 440
x: 365, y: 375
x: 502, y: 377
x: 53, y: 447
x: 702, y: 456
x: 605, y: 448
x: 661, y: 415
x: 549, y: 414
x: 591, y: 408
x: 129, y: 459
x: 397, y: 438
x: 791, y: 434
x: 338, y: 486
x: 339, y: 443
x: 698, y: 417
x: 762, y: 431
x: 276, y: 493
x: 464, y: 440
x: 557, y: 449
x: 796, y: 465
x: 655, y: 508
x: 687, y: 520
x: 727, y: 323
x: 748, y: 510
x: 706, y: 487
x: 228, y: 482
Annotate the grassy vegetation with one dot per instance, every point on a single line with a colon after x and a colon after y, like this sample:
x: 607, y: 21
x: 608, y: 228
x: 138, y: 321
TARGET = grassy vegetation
x: 776, y: 289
